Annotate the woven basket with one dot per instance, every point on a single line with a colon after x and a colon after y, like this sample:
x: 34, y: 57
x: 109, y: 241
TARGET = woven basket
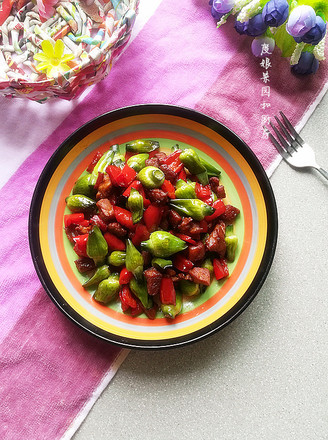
x: 95, y: 33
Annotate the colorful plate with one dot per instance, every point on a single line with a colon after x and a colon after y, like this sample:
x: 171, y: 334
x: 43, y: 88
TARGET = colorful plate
x: 247, y: 187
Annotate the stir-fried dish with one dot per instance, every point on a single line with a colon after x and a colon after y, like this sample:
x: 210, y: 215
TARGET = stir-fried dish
x: 150, y: 228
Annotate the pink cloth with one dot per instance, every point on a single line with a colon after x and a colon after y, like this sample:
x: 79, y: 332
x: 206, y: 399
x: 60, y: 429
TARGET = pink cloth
x: 178, y: 58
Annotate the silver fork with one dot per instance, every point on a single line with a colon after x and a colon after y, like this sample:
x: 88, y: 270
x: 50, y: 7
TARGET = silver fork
x: 292, y: 147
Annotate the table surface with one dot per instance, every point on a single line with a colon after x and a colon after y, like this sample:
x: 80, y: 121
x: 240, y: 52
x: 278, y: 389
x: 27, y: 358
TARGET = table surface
x: 265, y: 375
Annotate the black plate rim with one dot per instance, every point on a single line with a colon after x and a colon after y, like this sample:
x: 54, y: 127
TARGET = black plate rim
x: 196, y: 116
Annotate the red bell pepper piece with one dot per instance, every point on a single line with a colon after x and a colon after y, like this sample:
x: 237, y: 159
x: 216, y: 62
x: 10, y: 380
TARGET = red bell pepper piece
x: 73, y: 219
x: 114, y: 243
x: 167, y: 291
x: 219, y: 210
x: 204, y: 193
x: 96, y: 220
x: 94, y: 161
x: 136, y: 184
x: 124, y: 217
x: 99, y: 180
x: 169, y: 189
x: 182, y: 175
x: 141, y: 234
x: 152, y: 217
x: 182, y: 263
x: 125, y: 276
x: 174, y: 162
x: 80, y: 246
x: 113, y: 172
x: 127, y: 300
x: 220, y: 268
x: 138, y: 310
x: 186, y: 238
x: 126, y: 176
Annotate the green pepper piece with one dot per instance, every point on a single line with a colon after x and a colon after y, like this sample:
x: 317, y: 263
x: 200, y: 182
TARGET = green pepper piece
x: 101, y: 273
x: 139, y: 289
x: 189, y: 288
x: 184, y: 190
x: 231, y: 242
x: 151, y: 177
x: 118, y: 159
x: 138, y: 161
x: 142, y: 146
x: 207, y: 264
x: 80, y: 203
x: 194, y: 208
x: 203, y: 178
x: 100, y: 167
x: 134, y: 261
x: 212, y: 170
x: 191, y: 161
x: 97, y: 246
x: 117, y: 258
x: 161, y: 263
x: 107, y: 289
x: 162, y: 244
x: 171, y: 311
x: 84, y: 186
x: 135, y: 205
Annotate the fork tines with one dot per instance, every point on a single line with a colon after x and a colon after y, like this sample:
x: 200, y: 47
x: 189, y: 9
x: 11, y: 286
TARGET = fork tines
x: 288, y: 138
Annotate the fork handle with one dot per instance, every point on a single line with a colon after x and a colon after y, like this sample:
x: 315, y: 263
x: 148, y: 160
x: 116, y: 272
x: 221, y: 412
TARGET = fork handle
x: 323, y: 172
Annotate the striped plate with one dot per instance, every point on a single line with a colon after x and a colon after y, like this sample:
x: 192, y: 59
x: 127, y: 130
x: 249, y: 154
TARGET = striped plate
x: 247, y: 187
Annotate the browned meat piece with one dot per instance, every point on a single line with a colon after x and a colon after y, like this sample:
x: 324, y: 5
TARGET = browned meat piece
x: 146, y: 257
x: 161, y: 157
x: 152, y: 162
x: 217, y: 188
x: 200, y: 275
x: 181, y: 276
x: 84, y: 264
x: 169, y: 173
x: 170, y: 272
x: 158, y: 196
x: 215, y: 241
x: 75, y: 230
x: 196, y: 252
x: 195, y: 230
x: 117, y: 229
x: 106, y: 210
x: 104, y: 188
x: 174, y: 218
x: 230, y: 214
x: 153, y: 280
x: 185, y: 225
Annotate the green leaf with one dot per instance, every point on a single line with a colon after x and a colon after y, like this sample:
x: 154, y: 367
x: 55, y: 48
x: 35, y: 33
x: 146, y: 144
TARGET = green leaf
x: 284, y: 41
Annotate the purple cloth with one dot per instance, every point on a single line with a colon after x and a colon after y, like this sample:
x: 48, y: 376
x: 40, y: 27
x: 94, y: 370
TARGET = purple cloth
x: 50, y: 369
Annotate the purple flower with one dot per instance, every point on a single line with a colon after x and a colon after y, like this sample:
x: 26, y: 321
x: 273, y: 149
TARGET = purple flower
x: 301, y: 20
x: 256, y: 26
x: 275, y: 12
x: 217, y: 15
x: 263, y: 46
x: 241, y: 27
x: 223, y: 6
x: 306, y: 65
x: 315, y: 34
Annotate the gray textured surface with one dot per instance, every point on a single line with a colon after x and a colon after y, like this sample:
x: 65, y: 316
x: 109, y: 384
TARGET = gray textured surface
x: 265, y: 375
